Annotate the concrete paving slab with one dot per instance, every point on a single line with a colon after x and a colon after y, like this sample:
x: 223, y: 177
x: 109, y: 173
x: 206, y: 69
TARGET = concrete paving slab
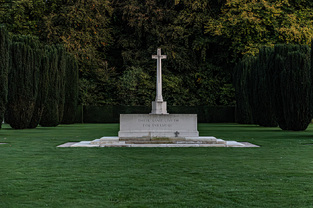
x: 234, y: 144
x: 248, y: 144
x: 113, y: 142
x: 84, y: 144
x: 68, y: 144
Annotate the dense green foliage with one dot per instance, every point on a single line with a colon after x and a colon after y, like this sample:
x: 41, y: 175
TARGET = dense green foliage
x: 113, y: 42
x: 36, y: 174
x: 37, y: 81
x: 50, y: 115
x: 111, y: 39
x: 261, y: 89
x: 4, y: 70
x: 242, y: 81
x: 42, y: 88
x: 293, y: 86
x: 71, y: 90
x: 111, y: 114
x: 23, y: 82
x: 202, y: 39
x: 248, y: 25
x: 276, y: 87
x: 60, y: 82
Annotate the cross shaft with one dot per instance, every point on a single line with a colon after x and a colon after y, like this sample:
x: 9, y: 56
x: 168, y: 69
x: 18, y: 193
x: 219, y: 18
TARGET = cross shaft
x: 159, y: 57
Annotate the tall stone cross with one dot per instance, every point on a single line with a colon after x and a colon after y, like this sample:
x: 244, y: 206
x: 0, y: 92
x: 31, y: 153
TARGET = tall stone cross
x: 159, y: 58
x: 159, y: 106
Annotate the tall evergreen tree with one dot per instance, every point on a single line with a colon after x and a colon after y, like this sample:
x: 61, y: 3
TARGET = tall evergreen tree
x: 50, y: 114
x: 262, y: 90
x: 71, y: 90
x: 23, y: 85
x: 4, y: 69
x: 62, y: 65
x: 242, y: 83
x: 293, y: 86
x: 43, y: 87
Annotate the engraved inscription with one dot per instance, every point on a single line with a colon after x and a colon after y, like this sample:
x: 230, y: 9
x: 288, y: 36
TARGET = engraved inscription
x: 157, y: 122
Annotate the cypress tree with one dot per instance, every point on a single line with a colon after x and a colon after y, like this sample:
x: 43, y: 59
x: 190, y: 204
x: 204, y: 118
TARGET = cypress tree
x: 50, y: 114
x: 62, y: 65
x: 71, y: 90
x: 293, y: 87
x: 43, y: 88
x: 242, y: 85
x: 262, y: 89
x: 4, y: 69
x: 23, y: 85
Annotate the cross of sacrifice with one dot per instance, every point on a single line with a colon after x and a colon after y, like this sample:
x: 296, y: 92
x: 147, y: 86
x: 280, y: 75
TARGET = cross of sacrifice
x: 159, y: 57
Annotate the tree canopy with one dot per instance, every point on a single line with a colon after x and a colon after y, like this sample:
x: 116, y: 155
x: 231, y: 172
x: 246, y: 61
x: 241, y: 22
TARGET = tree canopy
x: 114, y: 40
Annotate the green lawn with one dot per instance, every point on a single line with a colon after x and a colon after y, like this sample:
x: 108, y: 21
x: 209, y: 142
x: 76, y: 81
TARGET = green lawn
x: 35, y: 173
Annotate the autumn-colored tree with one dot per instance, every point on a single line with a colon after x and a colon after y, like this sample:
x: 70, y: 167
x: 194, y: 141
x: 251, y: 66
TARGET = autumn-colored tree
x: 23, y: 16
x: 82, y: 26
x: 247, y: 25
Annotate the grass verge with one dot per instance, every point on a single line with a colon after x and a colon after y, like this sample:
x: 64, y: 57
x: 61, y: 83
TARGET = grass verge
x: 35, y: 173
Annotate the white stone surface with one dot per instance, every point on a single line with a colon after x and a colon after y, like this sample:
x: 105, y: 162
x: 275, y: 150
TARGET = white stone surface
x: 84, y: 144
x: 201, y: 139
x: 158, y: 125
x: 96, y: 143
x: 106, y: 140
x: 234, y: 144
x: 159, y: 107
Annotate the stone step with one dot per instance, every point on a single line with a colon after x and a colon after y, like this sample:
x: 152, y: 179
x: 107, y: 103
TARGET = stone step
x: 156, y: 140
x: 169, y: 142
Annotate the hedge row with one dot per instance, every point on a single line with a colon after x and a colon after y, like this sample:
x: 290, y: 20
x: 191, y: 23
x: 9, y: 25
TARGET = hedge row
x: 111, y: 114
x: 276, y: 87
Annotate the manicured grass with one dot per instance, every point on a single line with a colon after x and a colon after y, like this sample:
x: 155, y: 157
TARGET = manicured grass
x: 35, y: 173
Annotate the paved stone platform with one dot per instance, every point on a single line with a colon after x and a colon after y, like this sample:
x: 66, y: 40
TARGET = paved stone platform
x: 115, y: 142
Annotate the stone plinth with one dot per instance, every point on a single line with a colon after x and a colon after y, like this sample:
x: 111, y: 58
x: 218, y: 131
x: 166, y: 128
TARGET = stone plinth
x: 158, y: 125
x: 159, y: 107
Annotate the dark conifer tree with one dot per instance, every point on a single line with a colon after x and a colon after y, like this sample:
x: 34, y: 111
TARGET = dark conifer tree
x: 44, y: 74
x: 293, y: 87
x: 242, y: 83
x: 62, y: 65
x: 71, y: 90
x: 50, y: 115
x: 23, y: 85
x: 4, y: 69
x: 262, y: 89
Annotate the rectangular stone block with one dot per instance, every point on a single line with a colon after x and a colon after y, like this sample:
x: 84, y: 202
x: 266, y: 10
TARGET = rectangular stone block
x: 158, y: 125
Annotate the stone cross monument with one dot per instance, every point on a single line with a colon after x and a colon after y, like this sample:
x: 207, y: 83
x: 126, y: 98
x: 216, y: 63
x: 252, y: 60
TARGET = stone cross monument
x: 157, y: 124
x: 159, y: 106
